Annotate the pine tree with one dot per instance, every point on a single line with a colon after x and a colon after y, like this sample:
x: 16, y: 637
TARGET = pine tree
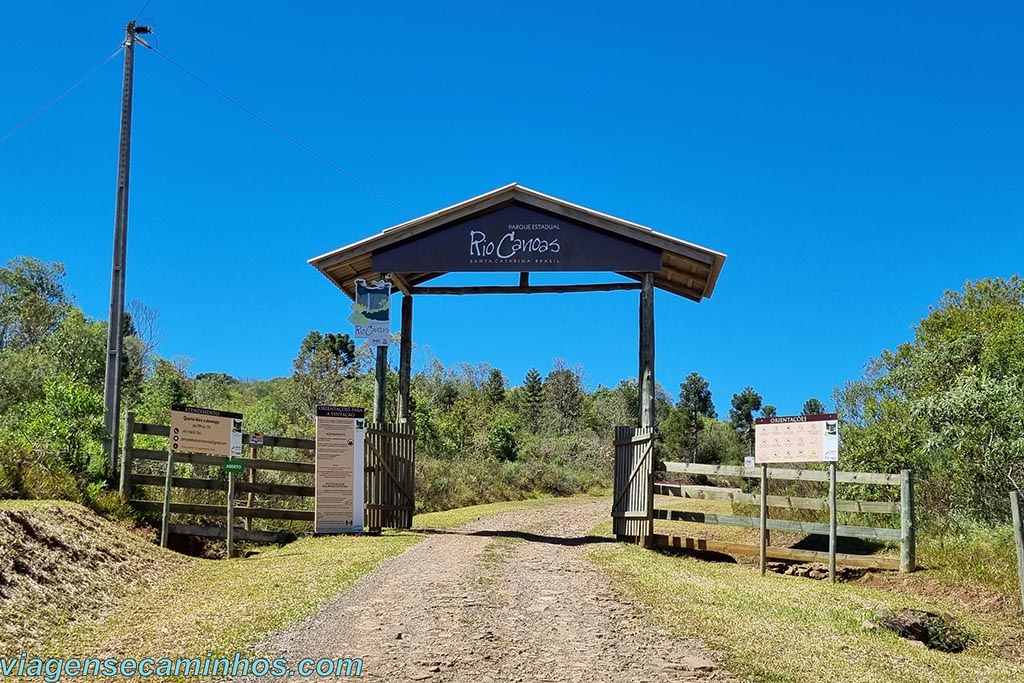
x: 533, y: 389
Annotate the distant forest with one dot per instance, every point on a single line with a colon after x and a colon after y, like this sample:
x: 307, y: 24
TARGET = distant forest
x: 950, y: 404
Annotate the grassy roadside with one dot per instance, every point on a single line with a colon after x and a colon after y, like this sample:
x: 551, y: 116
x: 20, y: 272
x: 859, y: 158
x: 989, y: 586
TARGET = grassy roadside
x: 780, y: 629
x: 223, y: 606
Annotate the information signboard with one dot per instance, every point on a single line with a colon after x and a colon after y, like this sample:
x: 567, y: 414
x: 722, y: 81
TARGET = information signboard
x: 204, y: 430
x: 796, y: 438
x: 340, y: 440
x: 371, y: 312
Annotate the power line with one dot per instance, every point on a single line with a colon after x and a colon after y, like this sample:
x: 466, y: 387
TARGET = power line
x: 139, y: 13
x: 39, y: 112
x: 291, y: 138
x: 604, y: 331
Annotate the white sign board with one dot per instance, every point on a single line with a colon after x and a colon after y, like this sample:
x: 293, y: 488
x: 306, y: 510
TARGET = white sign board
x: 204, y: 430
x: 796, y: 438
x: 371, y: 312
x: 340, y: 440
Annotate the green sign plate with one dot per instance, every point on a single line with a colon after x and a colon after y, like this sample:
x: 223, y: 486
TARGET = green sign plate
x: 232, y: 465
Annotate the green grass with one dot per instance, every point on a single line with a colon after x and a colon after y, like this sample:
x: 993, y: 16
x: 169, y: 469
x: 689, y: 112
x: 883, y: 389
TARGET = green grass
x: 778, y: 629
x: 223, y: 606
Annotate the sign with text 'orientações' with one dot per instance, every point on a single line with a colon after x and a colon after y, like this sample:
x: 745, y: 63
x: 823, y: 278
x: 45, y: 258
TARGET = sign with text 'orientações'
x: 517, y: 238
x: 204, y: 430
x: 796, y: 438
x: 340, y: 439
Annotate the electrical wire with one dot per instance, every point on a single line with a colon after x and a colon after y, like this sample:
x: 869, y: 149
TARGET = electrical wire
x: 139, y: 13
x: 604, y: 331
x: 39, y: 112
x: 291, y: 138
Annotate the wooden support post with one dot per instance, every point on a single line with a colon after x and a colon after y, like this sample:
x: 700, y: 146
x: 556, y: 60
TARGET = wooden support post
x: 764, y: 519
x: 126, y: 456
x: 231, y: 515
x: 381, y: 386
x: 166, y: 521
x: 250, y: 498
x: 908, y: 534
x: 1018, y: 535
x: 832, y: 522
x: 646, y: 376
x: 405, y: 361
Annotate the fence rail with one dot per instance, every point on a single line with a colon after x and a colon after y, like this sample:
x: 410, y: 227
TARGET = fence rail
x: 904, y: 534
x: 390, y: 490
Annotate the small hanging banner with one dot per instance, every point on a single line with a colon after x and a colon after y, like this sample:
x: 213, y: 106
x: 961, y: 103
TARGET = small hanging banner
x: 371, y: 312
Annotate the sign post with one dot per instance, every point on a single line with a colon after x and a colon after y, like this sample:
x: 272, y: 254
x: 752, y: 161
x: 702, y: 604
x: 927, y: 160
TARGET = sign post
x: 214, y: 432
x: 166, y: 519
x: 799, y: 438
x: 340, y: 457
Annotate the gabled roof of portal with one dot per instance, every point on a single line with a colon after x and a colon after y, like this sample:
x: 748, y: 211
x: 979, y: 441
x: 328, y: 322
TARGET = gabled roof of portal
x: 687, y: 269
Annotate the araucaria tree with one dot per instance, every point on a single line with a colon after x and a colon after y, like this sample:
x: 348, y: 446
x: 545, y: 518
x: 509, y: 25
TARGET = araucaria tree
x: 741, y: 415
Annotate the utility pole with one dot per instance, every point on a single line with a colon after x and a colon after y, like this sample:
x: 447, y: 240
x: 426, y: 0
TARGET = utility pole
x: 115, y: 328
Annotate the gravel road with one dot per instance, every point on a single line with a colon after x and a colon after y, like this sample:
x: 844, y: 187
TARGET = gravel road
x: 509, y: 597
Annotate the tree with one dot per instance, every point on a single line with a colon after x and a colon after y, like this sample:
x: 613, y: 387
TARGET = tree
x: 769, y: 411
x: 494, y: 387
x: 32, y: 301
x: 323, y: 363
x: 741, y: 415
x: 694, y: 405
x: 563, y: 389
x: 813, y: 406
x: 949, y: 404
x: 533, y: 390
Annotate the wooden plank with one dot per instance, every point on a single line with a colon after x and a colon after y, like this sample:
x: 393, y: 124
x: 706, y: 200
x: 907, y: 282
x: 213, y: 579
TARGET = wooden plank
x: 531, y: 289
x: 127, y: 483
x: 1018, y: 539
x: 240, y: 534
x: 202, y: 459
x: 784, y: 474
x: 222, y: 485
x: 268, y: 441
x: 865, y: 532
x: 690, y: 543
x: 790, y: 502
x: 221, y: 511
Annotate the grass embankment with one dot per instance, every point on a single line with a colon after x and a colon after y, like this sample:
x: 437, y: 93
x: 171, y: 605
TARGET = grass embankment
x: 779, y: 629
x: 169, y: 605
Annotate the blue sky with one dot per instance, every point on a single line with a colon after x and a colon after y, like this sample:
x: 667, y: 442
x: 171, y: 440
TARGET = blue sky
x: 853, y: 162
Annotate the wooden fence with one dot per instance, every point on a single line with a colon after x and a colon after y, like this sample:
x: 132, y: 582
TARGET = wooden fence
x: 634, y: 496
x: 904, y: 535
x: 390, y: 476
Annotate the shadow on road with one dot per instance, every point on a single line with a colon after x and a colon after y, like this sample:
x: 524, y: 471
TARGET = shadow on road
x: 526, y: 536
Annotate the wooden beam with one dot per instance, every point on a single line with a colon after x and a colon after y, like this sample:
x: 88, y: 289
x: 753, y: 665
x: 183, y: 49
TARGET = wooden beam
x: 646, y: 375
x: 733, y: 495
x: 221, y: 511
x: 222, y: 485
x: 380, y: 384
x: 785, y: 474
x: 405, y: 360
x: 865, y: 532
x: 218, y: 461
x: 401, y: 283
x: 240, y: 534
x: 524, y: 279
x: 533, y: 289
x: 791, y: 554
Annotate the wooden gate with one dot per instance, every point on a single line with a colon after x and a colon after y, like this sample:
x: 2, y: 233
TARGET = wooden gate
x: 633, y: 500
x: 390, y: 476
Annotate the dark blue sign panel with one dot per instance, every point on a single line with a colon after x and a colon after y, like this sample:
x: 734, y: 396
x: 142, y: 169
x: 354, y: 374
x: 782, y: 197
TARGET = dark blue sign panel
x: 517, y: 238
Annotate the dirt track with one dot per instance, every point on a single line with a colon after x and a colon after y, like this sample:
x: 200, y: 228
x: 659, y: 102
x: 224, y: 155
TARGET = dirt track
x: 507, y: 598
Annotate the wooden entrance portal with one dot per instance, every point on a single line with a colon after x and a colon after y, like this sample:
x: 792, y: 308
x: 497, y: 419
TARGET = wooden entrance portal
x: 520, y: 231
